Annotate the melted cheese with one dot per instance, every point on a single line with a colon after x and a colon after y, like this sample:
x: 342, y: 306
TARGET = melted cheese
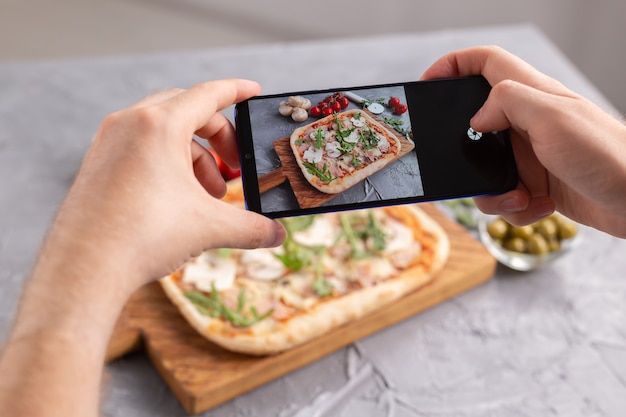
x: 322, y: 232
x: 399, y: 236
x: 208, y: 270
x: 262, y: 264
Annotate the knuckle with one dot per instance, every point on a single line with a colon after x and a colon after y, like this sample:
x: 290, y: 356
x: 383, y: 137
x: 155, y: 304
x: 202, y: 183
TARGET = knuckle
x: 505, y: 87
x: 149, y: 119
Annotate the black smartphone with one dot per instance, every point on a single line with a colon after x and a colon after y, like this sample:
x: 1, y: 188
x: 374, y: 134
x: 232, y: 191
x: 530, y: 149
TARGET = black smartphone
x: 326, y: 150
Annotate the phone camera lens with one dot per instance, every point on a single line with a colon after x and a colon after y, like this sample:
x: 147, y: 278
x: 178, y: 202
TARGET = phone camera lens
x: 474, y: 134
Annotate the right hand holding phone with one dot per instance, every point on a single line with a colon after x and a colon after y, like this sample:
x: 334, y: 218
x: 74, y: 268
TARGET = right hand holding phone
x: 570, y: 154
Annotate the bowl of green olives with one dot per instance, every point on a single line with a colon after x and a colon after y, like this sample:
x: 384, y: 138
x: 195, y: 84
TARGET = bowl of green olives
x: 524, y: 248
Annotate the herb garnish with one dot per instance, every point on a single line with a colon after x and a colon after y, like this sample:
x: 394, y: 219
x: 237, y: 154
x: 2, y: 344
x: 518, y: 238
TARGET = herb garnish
x: 322, y: 287
x: 323, y: 174
x: 367, y: 102
x: 341, y: 134
x: 319, y: 137
x: 396, y: 124
x: 213, y: 306
x: 296, y: 256
x: 369, y: 138
x: 364, y: 234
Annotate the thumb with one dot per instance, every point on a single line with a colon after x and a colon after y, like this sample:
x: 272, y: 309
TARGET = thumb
x: 510, y: 104
x: 227, y: 226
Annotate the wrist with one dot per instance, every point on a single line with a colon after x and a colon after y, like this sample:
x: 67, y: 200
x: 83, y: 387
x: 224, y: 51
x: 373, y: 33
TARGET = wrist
x: 78, y: 286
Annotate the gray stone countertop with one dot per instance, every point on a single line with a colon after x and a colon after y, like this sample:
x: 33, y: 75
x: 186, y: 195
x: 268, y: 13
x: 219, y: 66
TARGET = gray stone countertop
x: 548, y: 342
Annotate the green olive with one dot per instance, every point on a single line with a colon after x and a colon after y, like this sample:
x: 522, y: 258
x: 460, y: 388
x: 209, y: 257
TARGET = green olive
x: 554, y: 244
x: 515, y: 244
x: 525, y: 232
x: 547, y: 228
x: 538, y: 245
x: 567, y: 229
x: 498, y: 229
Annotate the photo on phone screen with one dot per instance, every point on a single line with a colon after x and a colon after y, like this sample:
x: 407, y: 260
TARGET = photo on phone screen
x: 317, y: 151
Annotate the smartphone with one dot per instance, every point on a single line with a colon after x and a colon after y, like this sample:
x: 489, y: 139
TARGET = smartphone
x: 439, y: 155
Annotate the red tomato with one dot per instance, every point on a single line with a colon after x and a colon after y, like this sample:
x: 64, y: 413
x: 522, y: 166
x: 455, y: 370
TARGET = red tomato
x: 400, y: 109
x: 394, y: 102
x: 315, y: 111
x: 322, y: 104
x: 327, y: 111
x: 227, y: 172
x: 344, y: 102
x: 335, y: 106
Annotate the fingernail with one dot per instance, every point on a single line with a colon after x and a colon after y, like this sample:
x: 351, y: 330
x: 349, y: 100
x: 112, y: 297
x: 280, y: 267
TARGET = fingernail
x: 511, y: 205
x: 280, y: 235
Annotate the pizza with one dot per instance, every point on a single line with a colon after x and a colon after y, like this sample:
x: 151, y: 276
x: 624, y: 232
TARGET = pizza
x: 333, y: 268
x: 340, y: 150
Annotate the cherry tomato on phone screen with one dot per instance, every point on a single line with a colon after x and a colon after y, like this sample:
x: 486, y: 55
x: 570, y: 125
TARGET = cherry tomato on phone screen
x: 400, y: 109
x: 327, y: 111
x: 394, y: 102
x: 227, y: 172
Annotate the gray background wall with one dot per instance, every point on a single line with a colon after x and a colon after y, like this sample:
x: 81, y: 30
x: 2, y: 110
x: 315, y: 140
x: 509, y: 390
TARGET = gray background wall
x: 590, y: 32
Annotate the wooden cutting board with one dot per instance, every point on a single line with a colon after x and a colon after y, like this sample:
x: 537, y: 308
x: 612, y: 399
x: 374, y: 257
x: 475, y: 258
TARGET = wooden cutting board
x: 307, y: 195
x: 203, y: 375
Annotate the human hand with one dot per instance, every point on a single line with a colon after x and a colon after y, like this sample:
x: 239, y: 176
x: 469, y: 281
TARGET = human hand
x: 147, y: 194
x: 570, y: 154
x: 144, y: 201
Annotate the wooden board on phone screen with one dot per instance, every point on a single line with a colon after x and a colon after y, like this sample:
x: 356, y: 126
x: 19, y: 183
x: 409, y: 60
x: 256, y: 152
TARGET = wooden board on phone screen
x: 203, y: 375
x: 307, y: 195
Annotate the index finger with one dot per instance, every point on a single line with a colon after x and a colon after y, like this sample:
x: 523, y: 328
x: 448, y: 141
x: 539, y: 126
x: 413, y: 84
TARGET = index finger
x: 495, y: 64
x: 195, y: 107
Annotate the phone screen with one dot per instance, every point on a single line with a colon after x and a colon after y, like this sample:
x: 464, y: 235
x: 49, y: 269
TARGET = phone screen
x: 435, y: 155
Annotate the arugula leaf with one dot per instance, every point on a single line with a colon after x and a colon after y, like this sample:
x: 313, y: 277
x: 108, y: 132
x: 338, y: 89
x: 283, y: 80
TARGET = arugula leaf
x: 323, y: 174
x: 376, y: 233
x: 296, y: 256
x: 322, y: 287
x: 341, y: 134
x: 353, y: 240
x: 212, y: 306
x: 369, y: 138
x: 299, y: 223
x: 396, y: 124
x: 364, y: 234
x: 319, y: 137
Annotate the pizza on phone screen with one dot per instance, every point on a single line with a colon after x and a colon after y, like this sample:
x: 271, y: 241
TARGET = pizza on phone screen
x: 333, y: 268
x: 342, y: 149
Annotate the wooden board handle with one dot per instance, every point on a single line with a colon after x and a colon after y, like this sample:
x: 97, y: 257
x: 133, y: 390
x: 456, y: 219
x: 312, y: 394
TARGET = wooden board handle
x: 271, y: 180
x: 125, y: 338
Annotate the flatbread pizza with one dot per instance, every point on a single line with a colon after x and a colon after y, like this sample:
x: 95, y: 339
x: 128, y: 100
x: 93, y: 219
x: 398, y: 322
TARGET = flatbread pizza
x: 341, y: 150
x: 333, y: 268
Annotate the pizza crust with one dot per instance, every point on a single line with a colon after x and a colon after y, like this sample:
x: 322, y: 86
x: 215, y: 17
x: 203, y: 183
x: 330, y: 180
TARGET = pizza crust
x: 328, y: 314
x: 341, y: 184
